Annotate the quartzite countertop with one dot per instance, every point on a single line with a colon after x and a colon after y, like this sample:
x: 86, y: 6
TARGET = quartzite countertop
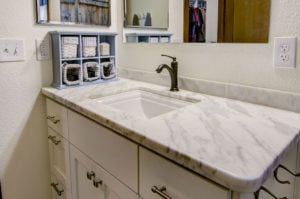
x: 234, y: 143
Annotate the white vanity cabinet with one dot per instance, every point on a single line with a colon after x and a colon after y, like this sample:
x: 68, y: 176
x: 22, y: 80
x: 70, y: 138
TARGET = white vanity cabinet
x: 89, y: 161
x: 159, y: 176
x: 90, y: 181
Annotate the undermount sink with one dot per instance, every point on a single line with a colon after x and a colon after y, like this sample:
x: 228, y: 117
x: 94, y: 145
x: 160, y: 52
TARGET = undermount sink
x: 143, y: 104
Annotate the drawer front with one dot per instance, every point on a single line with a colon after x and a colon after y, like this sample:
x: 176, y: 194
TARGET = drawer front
x: 59, y: 188
x: 157, y: 172
x: 114, y: 153
x: 90, y: 181
x: 57, y: 117
x: 59, y: 153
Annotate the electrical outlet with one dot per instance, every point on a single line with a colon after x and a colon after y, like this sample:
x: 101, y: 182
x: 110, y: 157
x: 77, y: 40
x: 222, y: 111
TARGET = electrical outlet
x: 11, y: 50
x: 285, y: 52
x: 42, y: 49
x: 284, y: 48
x: 284, y: 57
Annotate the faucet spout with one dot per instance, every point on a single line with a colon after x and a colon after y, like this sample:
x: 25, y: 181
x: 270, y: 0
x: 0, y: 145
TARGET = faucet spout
x: 161, y: 67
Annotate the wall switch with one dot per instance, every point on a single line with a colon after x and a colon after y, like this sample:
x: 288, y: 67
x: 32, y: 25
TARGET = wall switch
x: 42, y: 49
x: 11, y: 50
x: 285, y: 52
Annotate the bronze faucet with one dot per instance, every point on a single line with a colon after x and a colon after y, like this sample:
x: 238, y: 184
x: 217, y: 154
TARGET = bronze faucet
x: 173, y: 70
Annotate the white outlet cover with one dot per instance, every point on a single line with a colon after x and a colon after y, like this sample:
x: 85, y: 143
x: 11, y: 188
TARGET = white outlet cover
x: 285, y: 52
x: 42, y: 49
x: 11, y: 50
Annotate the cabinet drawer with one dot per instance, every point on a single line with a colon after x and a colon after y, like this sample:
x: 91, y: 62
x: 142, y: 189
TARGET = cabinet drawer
x: 90, y: 181
x: 57, y: 117
x: 158, y: 172
x: 59, y: 188
x: 59, y: 153
x: 114, y: 153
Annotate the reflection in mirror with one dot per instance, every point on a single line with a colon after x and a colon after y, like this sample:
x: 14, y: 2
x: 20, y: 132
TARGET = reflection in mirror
x: 86, y: 12
x: 146, y: 13
x: 203, y: 21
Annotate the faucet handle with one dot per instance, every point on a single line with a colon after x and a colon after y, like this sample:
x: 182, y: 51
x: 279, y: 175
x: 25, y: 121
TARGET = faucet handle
x: 174, y: 58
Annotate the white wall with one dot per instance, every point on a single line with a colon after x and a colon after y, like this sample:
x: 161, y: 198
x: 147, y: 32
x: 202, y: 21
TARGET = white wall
x: 23, y: 141
x: 247, y: 64
x: 212, y: 14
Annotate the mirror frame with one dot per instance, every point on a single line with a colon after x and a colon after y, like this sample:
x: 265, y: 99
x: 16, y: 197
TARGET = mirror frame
x: 71, y: 24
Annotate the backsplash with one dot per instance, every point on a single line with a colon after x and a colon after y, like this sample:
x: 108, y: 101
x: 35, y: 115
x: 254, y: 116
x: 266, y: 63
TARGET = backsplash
x: 268, y: 97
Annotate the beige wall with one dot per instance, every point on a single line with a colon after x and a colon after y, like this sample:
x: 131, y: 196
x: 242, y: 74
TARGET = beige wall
x: 23, y: 142
x: 247, y: 64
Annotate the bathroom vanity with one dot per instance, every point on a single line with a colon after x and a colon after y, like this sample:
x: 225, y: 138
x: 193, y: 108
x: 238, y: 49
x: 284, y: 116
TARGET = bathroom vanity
x: 226, y: 149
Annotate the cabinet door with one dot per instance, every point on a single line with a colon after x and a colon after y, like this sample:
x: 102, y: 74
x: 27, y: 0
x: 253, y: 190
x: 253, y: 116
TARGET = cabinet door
x: 114, y: 153
x: 90, y: 181
x: 157, y: 172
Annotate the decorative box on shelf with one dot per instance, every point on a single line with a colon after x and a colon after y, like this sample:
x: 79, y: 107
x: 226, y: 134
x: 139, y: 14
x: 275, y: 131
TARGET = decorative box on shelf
x: 78, y: 58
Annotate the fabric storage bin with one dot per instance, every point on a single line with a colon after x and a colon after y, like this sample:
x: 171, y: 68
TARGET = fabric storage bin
x: 69, y: 47
x: 89, y: 45
x: 91, y: 71
x: 104, y: 49
x: 108, y: 70
x: 72, y: 74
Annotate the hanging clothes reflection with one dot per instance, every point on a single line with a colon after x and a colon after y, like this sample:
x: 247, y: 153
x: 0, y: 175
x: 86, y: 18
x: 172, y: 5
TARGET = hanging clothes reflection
x: 197, y: 20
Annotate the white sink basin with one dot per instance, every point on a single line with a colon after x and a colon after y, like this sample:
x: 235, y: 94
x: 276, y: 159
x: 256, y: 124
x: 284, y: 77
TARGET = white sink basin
x: 143, y: 103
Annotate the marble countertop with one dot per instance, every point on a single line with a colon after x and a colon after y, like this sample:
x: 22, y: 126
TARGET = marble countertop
x: 233, y: 143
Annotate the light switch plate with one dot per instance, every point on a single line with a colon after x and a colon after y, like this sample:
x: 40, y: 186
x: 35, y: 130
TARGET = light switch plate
x: 42, y: 49
x: 285, y: 52
x: 11, y: 50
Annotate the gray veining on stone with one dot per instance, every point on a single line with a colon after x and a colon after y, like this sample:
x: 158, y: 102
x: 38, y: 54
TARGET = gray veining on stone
x: 234, y: 143
x: 268, y: 97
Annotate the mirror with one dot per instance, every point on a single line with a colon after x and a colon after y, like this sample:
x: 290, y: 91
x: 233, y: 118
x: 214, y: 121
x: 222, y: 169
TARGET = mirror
x: 71, y: 12
x: 198, y: 21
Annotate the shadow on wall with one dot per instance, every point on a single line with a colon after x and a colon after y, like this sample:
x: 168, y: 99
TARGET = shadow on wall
x: 29, y: 159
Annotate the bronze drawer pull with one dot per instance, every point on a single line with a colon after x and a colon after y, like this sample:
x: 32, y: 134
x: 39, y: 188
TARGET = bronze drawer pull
x: 52, y: 119
x: 160, y: 192
x: 256, y: 194
x: 286, y: 169
x: 90, y: 175
x: 53, y: 139
x: 97, y: 182
x: 59, y: 192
